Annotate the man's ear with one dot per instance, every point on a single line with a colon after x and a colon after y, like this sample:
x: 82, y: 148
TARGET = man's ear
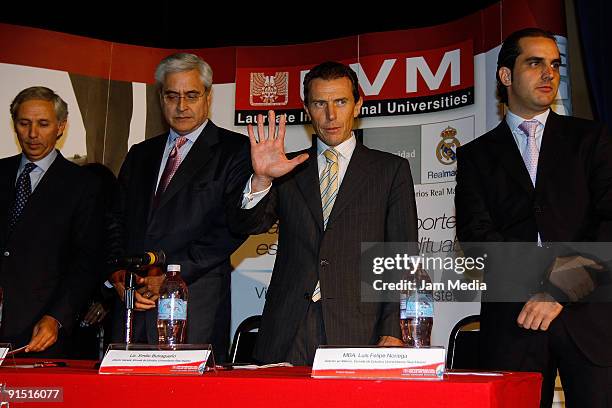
x: 357, y: 108
x: 505, y: 76
x: 60, y: 129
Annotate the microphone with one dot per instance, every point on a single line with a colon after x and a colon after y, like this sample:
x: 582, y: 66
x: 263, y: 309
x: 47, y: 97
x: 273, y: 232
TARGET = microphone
x: 149, y: 258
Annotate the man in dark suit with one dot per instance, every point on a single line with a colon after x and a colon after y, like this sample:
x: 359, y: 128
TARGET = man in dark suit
x: 173, y: 190
x: 546, y: 179
x: 49, y: 229
x: 328, y: 200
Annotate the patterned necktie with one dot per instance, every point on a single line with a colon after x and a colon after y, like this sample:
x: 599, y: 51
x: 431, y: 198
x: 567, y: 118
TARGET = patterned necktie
x: 23, y: 191
x: 329, y: 190
x: 529, y: 127
x: 173, y: 163
x: 329, y: 184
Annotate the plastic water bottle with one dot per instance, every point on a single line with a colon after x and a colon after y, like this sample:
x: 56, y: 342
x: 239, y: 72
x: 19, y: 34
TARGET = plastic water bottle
x: 172, y: 308
x: 416, y: 312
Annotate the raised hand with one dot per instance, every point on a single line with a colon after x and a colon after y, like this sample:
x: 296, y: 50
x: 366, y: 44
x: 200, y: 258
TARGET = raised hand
x: 268, y: 152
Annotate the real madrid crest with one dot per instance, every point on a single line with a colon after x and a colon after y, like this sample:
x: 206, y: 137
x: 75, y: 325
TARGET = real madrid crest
x: 446, y: 151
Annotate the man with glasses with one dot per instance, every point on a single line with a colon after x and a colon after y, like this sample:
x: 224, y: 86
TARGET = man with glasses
x: 173, y: 191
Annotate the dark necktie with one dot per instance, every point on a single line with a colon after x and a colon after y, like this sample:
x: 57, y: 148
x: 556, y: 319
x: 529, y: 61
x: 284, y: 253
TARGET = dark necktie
x: 23, y: 191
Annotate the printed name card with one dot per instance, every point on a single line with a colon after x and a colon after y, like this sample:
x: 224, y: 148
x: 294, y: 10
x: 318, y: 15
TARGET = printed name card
x: 400, y: 363
x: 157, y: 362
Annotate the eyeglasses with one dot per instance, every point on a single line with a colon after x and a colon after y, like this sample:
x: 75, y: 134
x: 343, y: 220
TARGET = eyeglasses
x: 174, y: 98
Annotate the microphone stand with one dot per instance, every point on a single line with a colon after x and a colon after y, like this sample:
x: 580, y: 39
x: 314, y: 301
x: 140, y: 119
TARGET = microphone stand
x: 152, y: 259
x: 130, y: 288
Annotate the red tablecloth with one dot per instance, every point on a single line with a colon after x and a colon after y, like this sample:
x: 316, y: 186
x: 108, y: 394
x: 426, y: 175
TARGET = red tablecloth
x: 286, y: 387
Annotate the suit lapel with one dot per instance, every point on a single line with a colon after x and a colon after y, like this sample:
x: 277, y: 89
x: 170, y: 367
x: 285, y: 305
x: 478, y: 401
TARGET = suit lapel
x: 354, y: 179
x: 510, y: 157
x: 199, y: 154
x: 308, y: 183
x: 7, y: 186
x: 49, y: 186
x: 547, y: 158
x: 150, y: 172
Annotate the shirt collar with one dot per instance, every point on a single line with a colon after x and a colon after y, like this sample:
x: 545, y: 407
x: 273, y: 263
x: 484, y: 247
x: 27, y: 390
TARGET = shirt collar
x: 514, y: 120
x: 345, y: 149
x: 43, y: 163
x: 192, y: 137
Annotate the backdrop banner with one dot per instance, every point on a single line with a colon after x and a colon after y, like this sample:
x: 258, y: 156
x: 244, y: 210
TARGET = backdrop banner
x: 426, y: 92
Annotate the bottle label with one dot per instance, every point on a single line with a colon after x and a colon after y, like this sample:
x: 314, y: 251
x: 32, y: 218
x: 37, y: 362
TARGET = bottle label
x: 416, y: 305
x: 172, y: 309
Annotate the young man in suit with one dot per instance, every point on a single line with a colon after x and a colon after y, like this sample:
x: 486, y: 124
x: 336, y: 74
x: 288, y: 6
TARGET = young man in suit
x: 328, y: 200
x: 50, y: 224
x: 542, y: 178
x: 173, y: 192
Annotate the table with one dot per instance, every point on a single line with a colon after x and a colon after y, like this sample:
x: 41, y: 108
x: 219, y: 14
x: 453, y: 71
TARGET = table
x: 286, y: 387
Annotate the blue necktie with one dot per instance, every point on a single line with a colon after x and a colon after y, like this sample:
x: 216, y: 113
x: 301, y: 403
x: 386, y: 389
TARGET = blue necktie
x: 24, y: 189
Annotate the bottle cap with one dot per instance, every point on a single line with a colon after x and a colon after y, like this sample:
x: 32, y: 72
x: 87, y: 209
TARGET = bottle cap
x: 174, y: 268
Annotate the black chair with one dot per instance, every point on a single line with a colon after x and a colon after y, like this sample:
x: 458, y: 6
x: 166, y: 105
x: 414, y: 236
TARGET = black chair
x: 463, y: 344
x: 244, y: 341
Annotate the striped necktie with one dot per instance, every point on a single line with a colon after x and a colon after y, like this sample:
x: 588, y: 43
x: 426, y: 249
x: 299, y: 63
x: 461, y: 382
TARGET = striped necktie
x: 329, y: 190
x: 329, y: 183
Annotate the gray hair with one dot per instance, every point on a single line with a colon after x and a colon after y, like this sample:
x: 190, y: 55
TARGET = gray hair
x: 40, y: 93
x: 182, y: 62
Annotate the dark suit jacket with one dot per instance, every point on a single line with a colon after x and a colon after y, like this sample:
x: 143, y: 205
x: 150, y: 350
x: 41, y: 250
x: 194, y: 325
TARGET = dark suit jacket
x: 375, y: 203
x: 189, y: 224
x: 571, y: 202
x: 49, y: 264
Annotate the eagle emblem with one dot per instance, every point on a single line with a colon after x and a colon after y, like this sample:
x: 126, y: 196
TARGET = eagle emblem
x: 269, y: 89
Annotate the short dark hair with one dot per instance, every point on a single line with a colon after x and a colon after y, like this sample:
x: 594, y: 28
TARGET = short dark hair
x: 510, y: 50
x: 331, y: 70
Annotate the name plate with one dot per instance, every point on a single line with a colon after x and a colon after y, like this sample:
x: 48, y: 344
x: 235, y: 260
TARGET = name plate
x: 400, y: 363
x: 145, y: 360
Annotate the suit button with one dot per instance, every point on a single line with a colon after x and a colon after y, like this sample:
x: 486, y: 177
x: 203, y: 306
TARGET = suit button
x: 324, y: 263
x: 538, y: 209
x: 306, y: 295
x: 6, y: 253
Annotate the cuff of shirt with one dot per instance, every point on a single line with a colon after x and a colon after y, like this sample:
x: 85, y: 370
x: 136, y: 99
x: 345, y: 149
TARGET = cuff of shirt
x: 250, y: 199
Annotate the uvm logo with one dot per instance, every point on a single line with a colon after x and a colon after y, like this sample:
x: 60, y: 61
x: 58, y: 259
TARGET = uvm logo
x: 446, y: 151
x: 269, y: 89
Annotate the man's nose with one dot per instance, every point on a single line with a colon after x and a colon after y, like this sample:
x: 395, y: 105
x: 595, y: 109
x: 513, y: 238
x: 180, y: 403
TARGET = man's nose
x: 182, y: 104
x: 33, y: 131
x: 331, y: 112
x: 548, y: 72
